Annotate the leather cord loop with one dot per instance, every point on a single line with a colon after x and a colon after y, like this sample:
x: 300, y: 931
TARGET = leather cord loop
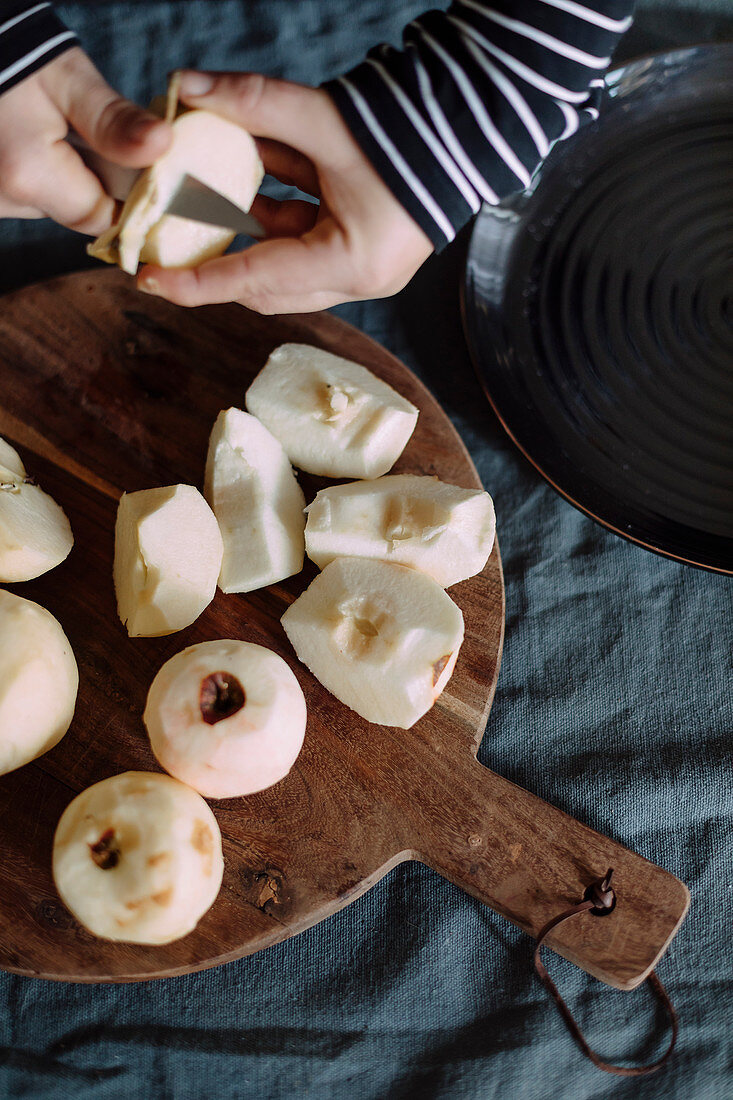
x: 600, y: 898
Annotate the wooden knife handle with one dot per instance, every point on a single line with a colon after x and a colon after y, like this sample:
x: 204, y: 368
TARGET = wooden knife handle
x: 530, y: 861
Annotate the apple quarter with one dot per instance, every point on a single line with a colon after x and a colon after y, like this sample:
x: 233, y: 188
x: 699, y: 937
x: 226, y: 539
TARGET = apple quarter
x: 257, y: 501
x: 440, y: 529
x: 168, y: 552
x: 35, y: 534
x: 227, y: 717
x: 382, y: 638
x: 39, y: 680
x: 137, y: 858
x: 333, y: 416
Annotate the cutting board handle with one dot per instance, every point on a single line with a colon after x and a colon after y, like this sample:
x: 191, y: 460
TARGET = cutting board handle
x: 529, y: 861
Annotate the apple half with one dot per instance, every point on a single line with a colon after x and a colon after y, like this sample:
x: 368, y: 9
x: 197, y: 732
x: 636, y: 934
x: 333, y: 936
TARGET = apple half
x: 137, y: 858
x: 257, y: 501
x: 227, y: 717
x: 440, y: 529
x: 382, y: 638
x: 333, y: 416
x: 213, y: 151
x: 39, y: 680
x: 35, y: 534
x: 168, y: 553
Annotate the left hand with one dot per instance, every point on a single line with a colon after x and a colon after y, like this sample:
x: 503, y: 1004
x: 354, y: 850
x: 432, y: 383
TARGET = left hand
x: 359, y: 243
x: 40, y: 174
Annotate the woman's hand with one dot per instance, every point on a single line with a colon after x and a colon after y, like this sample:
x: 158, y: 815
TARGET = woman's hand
x: 359, y: 243
x: 40, y: 174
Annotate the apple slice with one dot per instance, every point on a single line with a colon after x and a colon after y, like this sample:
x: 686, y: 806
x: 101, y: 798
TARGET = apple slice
x: 332, y: 416
x: 382, y: 638
x: 137, y: 858
x: 226, y: 717
x: 215, y: 152
x: 38, y: 681
x: 257, y: 501
x: 35, y: 534
x: 422, y: 522
x: 168, y: 553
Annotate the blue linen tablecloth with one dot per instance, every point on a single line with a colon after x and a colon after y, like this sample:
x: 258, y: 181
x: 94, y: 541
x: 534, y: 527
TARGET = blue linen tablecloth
x: 613, y: 703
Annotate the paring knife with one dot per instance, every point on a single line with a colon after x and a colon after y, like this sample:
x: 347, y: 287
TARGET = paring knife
x: 194, y: 200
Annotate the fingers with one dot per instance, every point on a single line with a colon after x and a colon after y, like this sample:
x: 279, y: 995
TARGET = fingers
x: 289, y: 166
x: 291, y: 218
x: 301, y: 117
x: 271, y: 277
x: 46, y: 178
x: 115, y: 127
x: 10, y: 209
x: 40, y: 174
x: 77, y: 200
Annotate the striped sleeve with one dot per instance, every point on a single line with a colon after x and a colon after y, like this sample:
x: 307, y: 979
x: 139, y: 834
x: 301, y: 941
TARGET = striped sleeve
x: 31, y: 35
x: 475, y: 100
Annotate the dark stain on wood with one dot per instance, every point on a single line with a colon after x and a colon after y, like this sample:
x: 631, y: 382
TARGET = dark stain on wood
x: 267, y: 890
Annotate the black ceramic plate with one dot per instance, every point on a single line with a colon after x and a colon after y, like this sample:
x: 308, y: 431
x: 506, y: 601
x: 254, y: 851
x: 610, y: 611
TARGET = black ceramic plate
x: 599, y: 309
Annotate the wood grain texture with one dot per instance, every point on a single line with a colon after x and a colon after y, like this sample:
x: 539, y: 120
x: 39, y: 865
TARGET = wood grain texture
x: 105, y: 390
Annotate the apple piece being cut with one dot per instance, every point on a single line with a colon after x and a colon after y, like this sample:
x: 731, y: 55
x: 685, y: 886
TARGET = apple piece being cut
x: 440, y: 529
x: 226, y: 717
x: 39, y: 680
x: 137, y: 858
x: 382, y: 638
x: 213, y: 151
x: 332, y: 416
x: 168, y: 553
x: 257, y: 501
x: 35, y: 534
x: 181, y: 242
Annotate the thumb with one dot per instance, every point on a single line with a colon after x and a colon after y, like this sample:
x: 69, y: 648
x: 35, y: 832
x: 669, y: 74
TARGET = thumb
x: 115, y: 127
x: 294, y: 114
x: 280, y: 275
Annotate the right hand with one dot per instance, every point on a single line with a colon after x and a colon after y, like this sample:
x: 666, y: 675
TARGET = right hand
x: 40, y: 174
x: 359, y: 242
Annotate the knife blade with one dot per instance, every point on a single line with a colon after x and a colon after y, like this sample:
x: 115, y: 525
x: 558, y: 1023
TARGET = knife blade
x: 194, y: 200
x: 199, y: 203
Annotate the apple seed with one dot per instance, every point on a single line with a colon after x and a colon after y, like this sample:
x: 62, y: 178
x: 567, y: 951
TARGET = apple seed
x: 221, y: 696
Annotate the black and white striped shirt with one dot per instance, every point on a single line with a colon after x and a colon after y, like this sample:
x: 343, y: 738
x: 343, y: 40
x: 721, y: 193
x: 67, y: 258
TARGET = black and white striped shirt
x: 463, y: 114
x: 471, y: 105
x: 30, y: 36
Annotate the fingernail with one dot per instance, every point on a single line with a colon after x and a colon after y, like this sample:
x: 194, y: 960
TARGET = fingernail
x: 196, y: 84
x: 148, y: 285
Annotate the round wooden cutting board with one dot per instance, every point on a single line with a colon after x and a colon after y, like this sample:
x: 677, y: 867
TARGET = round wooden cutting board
x: 103, y: 389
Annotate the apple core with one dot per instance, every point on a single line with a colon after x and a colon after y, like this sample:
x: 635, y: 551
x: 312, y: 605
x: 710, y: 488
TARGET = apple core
x: 439, y: 667
x: 222, y: 695
x: 104, y: 853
